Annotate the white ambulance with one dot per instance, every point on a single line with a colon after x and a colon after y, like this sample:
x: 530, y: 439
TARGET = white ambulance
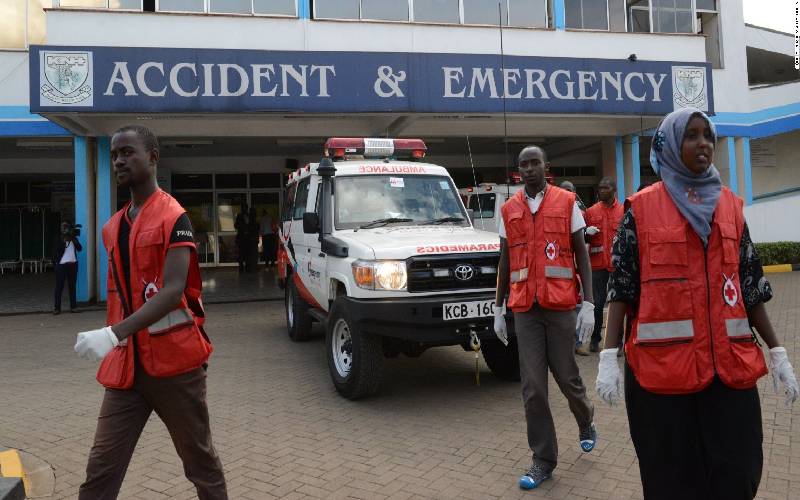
x: 485, y: 200
x: 377, y: 246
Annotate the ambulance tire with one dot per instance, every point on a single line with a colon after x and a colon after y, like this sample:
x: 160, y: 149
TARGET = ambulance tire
x: 502, y: 360
x: 298, y: 322
x: 363, y: 363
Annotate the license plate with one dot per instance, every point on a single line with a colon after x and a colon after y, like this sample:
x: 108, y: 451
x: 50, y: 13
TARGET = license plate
x: 467, y: 310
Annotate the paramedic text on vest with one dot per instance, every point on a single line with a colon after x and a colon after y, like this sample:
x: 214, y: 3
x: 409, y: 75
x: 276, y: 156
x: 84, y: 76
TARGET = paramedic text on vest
x: 602, y: 220
x: 541, y: 239
x: 153, y: 352
x: 687, y: 272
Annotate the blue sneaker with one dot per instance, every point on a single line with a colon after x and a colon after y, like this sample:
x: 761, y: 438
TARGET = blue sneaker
x: 588, y: 438
x: 535, y: 476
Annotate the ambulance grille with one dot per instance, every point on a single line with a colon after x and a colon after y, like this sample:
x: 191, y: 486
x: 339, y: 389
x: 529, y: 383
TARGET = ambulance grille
x: 438, y: 273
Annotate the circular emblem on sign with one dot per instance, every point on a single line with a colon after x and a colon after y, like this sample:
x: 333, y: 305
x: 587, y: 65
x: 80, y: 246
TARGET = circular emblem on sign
x: 464, y: 272
x: 551, y: 250
x: 150, y: 291
x: 729, y: 292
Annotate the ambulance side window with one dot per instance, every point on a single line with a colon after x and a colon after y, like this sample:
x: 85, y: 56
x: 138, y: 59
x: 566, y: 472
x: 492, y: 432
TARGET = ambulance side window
x: 289, y: 203
x: 300, y: 199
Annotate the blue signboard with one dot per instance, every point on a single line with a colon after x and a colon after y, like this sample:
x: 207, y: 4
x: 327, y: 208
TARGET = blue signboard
x: 154, y: 80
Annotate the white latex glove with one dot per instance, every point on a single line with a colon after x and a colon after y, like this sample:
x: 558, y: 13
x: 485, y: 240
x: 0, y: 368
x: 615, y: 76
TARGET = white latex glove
x: 608, y: 376
x: 500, y: 323
x: 783, y: 372
x: 95, y: 344
x: 592, y: 230
x: 585, y: 321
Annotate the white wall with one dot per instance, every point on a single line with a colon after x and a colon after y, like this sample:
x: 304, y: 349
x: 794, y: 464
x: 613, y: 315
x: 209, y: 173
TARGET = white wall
x: 14, y: 78
x: 730, y: 82
x: 774, y: 220
x: 227, y: 32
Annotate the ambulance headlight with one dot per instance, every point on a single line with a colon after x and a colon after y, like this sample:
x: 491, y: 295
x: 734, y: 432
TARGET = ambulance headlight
x: 381, y: 275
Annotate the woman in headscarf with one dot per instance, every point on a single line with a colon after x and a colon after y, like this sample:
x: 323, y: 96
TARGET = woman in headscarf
x: 690, y: 282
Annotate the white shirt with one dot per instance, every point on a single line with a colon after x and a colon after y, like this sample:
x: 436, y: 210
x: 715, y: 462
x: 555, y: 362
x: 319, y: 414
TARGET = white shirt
x: 69, y: 254
x: 576, y: 224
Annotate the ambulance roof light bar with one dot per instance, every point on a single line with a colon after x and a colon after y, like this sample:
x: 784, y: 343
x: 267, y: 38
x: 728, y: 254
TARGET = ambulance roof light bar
x: 340, y: 147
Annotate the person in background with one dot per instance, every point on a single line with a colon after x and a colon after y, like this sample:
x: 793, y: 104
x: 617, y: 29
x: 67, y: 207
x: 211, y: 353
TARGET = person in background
x: 267, y: 232
x: 241, y: 225
x: 689, y: 278
x: 541, y: 240
x: 602, y: 220
x: 65, y: 262
x: 567, y: 185
x: 252, y: 240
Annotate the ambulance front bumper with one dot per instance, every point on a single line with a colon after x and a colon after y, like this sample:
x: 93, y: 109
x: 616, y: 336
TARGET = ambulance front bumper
x: 421, y: 319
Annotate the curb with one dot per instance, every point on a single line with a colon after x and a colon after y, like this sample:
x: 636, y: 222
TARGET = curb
x: 12, y: 477
x: 781, y: 268
x: 11, y: 488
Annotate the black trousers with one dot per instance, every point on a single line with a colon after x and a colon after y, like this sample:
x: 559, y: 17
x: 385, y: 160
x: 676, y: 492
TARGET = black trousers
x: 68, y: 273
x: 701, y: 446
x: 599, y: 290
x: 268, y: 247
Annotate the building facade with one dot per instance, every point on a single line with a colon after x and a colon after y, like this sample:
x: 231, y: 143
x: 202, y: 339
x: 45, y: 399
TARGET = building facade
x: 240, y: 91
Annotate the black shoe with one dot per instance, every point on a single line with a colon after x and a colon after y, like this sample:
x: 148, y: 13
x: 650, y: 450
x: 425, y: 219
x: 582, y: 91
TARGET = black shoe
x: 535, y: 476
x: 594, y: 347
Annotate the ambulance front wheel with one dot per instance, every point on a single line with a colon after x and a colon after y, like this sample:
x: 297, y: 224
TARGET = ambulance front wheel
x: 355, y: 359
x: 502, y: 360
x: 298, y: 322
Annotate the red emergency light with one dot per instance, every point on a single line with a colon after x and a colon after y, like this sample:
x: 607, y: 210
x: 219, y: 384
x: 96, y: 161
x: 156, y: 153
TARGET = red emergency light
x: 469, y: 190
x: 514, y: 178
x: 340, y: 147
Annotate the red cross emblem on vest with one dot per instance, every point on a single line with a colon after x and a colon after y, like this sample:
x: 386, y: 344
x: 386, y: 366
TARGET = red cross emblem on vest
x: 729, y: 292
x: 551, y: 250
x: 150, y: 290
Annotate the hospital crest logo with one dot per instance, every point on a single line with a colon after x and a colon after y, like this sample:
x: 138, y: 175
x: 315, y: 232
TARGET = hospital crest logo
x: 689, y: 87
x: 66, y: 78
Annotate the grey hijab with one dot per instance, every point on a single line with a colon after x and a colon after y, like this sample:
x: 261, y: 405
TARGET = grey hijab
x: 695, y: 196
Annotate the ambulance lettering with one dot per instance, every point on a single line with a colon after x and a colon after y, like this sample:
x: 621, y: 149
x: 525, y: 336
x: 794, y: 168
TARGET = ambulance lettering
x: 391, y: 169
x: 472, y: 247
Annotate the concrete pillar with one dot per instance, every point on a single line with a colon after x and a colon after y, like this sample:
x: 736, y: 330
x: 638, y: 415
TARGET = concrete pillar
x: 631, y: 166
x: 619, y: 167
x: 744, y: 169
x: 304, y: 9
x: 85, y: 216
x: 559, y: 15
x: 106, y: 194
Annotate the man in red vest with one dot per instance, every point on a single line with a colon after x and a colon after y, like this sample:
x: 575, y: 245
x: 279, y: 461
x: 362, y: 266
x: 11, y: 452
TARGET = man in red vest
x: 602, y: 220
x: 154, y: 350
x: 541, y: 240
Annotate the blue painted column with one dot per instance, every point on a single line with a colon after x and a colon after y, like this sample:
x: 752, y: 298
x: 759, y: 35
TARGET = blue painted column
x: 82, y: 208
x: 104, y: 210
x: 559, y: 15
x: 748, y: 171
x: 304, y: 9
x: 635, y: 164
x: 733, y: 175
x: 620, y: 168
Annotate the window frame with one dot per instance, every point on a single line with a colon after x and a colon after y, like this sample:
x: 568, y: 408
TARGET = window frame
x: 608, y: 19
x: 57, y: 5
x: 207, y: 10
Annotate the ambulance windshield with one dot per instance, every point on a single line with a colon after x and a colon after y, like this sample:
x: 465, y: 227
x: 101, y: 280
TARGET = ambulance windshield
x: 403, y: 200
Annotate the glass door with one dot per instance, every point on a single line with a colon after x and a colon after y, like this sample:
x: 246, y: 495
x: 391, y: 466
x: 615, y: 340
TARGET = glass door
x: 229, y: 205
x: 200, y: 207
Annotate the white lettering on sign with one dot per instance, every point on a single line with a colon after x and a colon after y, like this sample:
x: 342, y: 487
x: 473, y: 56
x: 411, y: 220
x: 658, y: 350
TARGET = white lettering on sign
x: 562, y: 84
x: 397, y: 182
x: 153, y: 79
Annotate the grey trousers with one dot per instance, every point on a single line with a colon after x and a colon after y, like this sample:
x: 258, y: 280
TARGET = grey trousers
x: 546, y: 339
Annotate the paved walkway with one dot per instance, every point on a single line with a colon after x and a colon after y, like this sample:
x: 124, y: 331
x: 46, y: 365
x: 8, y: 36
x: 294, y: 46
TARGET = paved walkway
x: 283, y: 432
x: 32, y: 293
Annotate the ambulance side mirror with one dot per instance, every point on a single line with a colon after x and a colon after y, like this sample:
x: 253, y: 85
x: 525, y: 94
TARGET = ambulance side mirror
x: 310, y: 223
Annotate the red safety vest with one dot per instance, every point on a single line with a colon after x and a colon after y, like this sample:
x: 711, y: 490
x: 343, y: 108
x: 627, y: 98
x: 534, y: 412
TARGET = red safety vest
x: 606, y: 219
x: 540, y: 251
x: 174, y: 344
x: 691, y: 322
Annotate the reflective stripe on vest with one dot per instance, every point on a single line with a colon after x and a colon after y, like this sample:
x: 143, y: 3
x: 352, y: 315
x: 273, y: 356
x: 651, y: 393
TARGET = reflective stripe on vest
x: 596, y: 249
x: 666, y: 330
x: 520, y: 275
x: 557, y: 272
x: 170, y: 320
x: 738, y: 327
